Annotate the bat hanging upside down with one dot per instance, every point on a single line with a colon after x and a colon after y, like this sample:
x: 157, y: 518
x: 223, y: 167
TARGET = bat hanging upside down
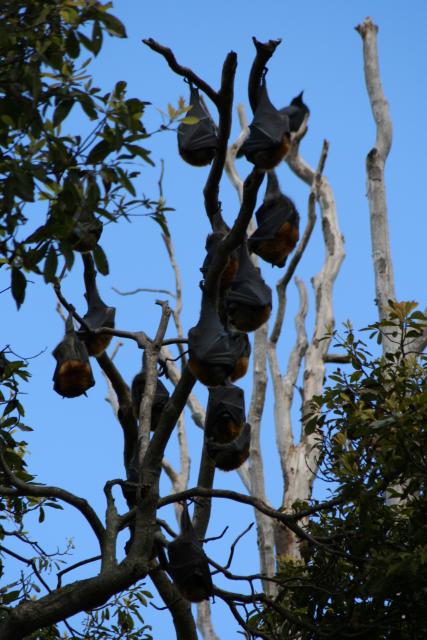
x: 197, y: 143
x: 270, y: 137
x: 73, y: 374
x: 278, y: 226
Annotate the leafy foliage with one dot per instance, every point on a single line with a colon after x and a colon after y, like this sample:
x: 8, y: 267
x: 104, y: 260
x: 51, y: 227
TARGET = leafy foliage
x: 75, y: 182
x: 366, y: 576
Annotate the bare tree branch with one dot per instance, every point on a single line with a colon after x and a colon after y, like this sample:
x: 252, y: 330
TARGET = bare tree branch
x: 180, y: 70
x: 45, y: 491
x: 375, y: 163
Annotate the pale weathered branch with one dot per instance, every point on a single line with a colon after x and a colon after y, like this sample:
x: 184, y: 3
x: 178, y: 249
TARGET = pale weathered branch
x: 284, y: 387
x: 204, y: 621
x: 301, y: 460
x: 299, y: 251
x: 375, y: 163
x: 265, y: 531
x: 151, y: 358
x: 230, y: 163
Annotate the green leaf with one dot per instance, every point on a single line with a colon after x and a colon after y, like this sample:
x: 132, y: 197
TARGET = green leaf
x: 190, y: 120
x: 7, y: 598
x: 72, y: 45
x: 41, y: 514
x: 113, y: 25
x: 62, y: 111
x: 99, y: 152
x: 127, y: 184
x: 96, y: 38
x: 18, y: 284
x: 101, y: 261
x: 68, y: 254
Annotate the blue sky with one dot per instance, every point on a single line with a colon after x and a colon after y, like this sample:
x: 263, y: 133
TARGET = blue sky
x: 76, y: 443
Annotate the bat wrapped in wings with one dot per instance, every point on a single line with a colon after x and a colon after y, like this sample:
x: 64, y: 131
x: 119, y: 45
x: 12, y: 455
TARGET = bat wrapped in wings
x: 269, y: 137
x: 278, y: 226
x: 73, y: 374
x: 248, y: 301
x: 225, y: 413
x: 233, y: 454
x: 211, y: 356
x: 161, y: 396
x: 212, y: 242
x: 197, y: 143
x: 188, y: 565
x: 98, y: 313
x: 298, y: 114
x: 241, y: 349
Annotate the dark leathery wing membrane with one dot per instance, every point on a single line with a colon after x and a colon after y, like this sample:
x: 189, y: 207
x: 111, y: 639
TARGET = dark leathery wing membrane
x: 225, y: 413
x: 188, y: 565
x: 212, y: 242
x: 298, y: 114
x: 269, y: 137
x: 248, y: 301
x: 211, y: 358
x: 161, y: 396
x: 278, y: 226
x: 232, y: 455
x: 241, y: 347
x: 197, y: 143
x: 98, y: 313
x: 73, y: 374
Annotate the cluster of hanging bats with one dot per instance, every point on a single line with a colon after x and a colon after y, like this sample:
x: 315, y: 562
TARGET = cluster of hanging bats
x: 218, y: 344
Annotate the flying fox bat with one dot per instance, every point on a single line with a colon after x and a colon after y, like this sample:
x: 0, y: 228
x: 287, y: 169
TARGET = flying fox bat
x: 248, y: 301
x: 230, y: 269
x: 269, y: 137
x: 211, y: 356
x: 188, y: 565
x: 225, y: 413
x: 278, y: 226
x: 197, y: 143
x: 232, y: 455
x: 73, y: 374
x: 98, y: 314
x: 298, y: 114
x: 161, y: 396
x: 241, y: 348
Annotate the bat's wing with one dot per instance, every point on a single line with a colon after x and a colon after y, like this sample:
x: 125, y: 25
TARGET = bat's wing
x: 208, y: 341
x: 297, y: 113
x: 268, y: 126
x: 161, y: 395
x: 70, y: 348
x: 98, y: 313
x: 271, y: 217
x: 231, y: 455
x: 211, y: 346
x: 73, y: 374
x: 192, y: 137
x: 100, y: 316
x: 189, y: 568
x: 225, y: 401
x: 248, y: 287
